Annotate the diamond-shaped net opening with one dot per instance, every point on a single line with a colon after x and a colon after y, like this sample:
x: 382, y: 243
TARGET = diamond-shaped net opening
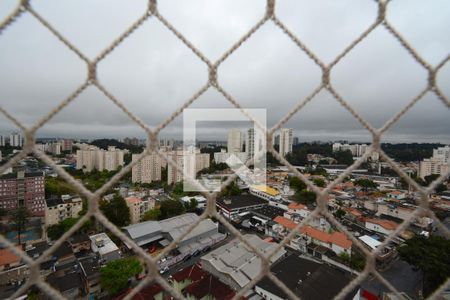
x: 93, y: 197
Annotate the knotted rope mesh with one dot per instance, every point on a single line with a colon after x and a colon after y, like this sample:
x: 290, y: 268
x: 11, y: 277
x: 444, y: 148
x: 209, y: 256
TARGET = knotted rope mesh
x: 423, y: 209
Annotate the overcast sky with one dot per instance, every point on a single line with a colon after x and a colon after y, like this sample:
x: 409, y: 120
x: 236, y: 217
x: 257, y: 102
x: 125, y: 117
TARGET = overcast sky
x: 153, y: 73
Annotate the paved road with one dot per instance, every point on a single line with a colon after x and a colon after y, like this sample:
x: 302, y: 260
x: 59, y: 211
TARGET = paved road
x: 401, y: 276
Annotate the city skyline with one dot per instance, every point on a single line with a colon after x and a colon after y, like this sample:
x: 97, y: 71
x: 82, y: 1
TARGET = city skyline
x: 377, y: 78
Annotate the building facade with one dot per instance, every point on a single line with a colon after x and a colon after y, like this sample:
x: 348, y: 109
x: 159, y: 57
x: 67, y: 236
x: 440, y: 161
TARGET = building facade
x: 23, y: 189
x: 15, y: 140
x: 285, y: 141
x: 59, y: 209
x: 191, y: 161
x: 147, y: 170
x: 91, y: 158
x: 234, y: 140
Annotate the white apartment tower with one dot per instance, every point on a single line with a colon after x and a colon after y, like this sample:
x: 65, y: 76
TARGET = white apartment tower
x: 15, y: 140
x: 285, y: 141
x: 185, y: 161
x: 438, y: 164
x: 443, y: 152
x: 147, y: 170
x: 234, y: 140
x: 94, y: 158
x: 250, y: 143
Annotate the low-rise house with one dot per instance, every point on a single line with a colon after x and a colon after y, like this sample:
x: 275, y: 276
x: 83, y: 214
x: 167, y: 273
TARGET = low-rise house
x: 235, y: 264
x: 8, y: 259
x: 80, y: 243
x: 58, y: 209
x: 63, y: 254
x: 90, y: 276
x: 138, y: 207
x: 372, y: 244
x: 186, y: 277
x: 105, y: 247
x: 336, y: 241
x: 69, y: 284
x: 396, y: 195
x: 297, y: 212
x: 382, y: 226
x: 209, y: 287
x: 12, y: 269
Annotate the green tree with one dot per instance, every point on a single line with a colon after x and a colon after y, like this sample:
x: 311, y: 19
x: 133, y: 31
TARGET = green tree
x: 305, y: 197
x: 231, y: 190
x: 19, y: 219
x: 191, y: 206
x: 339, y: 213
x: 344, y: 157
x: 171, y: 208
x: 366, y: 184
x: 152, y: 215
x: 116, y: 210
x: 296, y: 183
x: 319, y: 182
x: 115, y: 275
x: 430, y: 255
x: 430, y: 178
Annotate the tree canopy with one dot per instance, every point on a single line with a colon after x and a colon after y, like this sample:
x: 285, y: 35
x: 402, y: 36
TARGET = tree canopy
x: 430, y: 255
x: 305, y: 197
x: 171, y: 208
x: 116, y: 210
x: 366, y: 183
x: 19, y: 218
x: 115, y: 275
x: 296, y: 183
x: 152, y: 215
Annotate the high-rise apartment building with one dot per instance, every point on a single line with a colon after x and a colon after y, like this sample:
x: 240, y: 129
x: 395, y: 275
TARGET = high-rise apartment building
x: 185, y: 161
x: 66, y: 144
x: 295, y: 141
x: 23, y: 189
x: 94, y: 158
x: 2, y: 141
x: 15, y: 140
x: 53, y: 148
x: 357, y: 150
x: 234, y: 140
x: 250, y: 143
x: 147, y: 170
x: 285, y: 141
x: 443, y: 152
x: 433, y: 165
x: 438, y: 164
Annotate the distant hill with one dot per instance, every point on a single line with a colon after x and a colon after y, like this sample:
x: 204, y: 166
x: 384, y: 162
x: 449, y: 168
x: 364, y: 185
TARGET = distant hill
x: 104, y: 143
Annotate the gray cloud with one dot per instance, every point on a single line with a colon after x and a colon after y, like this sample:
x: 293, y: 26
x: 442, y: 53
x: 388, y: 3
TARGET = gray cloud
x: 153, y: 73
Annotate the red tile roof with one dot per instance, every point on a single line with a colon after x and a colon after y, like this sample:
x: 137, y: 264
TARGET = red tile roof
x: 210, y: 285
x: 133, y: 200
x: 7, y: 257
x: 337, y: 238
x: 386, y: 224
x: 285, y: 222
x: 193, y: 272
x: 294, y: 205
x: 147, y: 293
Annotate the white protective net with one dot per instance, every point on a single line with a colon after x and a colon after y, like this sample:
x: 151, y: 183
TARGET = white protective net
x: 25, y: 7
